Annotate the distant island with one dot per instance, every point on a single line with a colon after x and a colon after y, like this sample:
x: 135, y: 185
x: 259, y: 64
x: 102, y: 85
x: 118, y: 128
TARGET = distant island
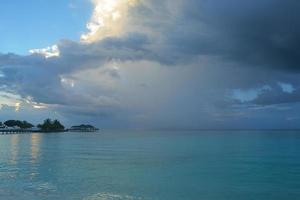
x: 83, y: 128
x: 48, y: 126
x: 51, y: 126
x: 15, y: 124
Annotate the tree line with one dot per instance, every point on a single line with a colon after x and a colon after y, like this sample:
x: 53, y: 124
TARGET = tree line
x: 47, y: 125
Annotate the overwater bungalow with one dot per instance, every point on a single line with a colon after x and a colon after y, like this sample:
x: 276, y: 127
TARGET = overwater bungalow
x: 3, y: 126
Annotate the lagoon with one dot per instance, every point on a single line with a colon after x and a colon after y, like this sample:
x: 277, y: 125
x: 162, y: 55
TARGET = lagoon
x: 151, y: 165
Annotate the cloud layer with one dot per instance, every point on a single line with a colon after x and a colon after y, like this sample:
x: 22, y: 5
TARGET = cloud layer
x: 182, y: 63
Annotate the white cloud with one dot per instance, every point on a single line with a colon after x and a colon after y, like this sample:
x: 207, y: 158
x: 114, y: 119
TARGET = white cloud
x: 48, y: 52
x: 287, y: 88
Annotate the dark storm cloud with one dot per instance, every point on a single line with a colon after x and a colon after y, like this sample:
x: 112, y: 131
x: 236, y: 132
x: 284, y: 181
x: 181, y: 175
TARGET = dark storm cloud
x: 259, y: 33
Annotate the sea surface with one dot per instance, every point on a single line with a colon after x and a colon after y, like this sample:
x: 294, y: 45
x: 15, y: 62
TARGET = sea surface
x: 151, y: 165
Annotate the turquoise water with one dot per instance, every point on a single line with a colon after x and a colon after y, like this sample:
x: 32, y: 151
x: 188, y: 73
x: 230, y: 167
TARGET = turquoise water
x: 203, y: 165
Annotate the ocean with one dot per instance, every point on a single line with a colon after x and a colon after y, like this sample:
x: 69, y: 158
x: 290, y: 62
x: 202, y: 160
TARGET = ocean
x: 151, y: 165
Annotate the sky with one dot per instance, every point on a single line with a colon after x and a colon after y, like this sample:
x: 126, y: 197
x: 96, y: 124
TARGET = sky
x: 39, y: 23
x: 149, y: 64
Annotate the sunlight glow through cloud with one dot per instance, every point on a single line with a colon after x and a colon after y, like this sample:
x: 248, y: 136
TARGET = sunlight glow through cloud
x: 108, y: 19
x: 11, y: 100
x: 17, y: 106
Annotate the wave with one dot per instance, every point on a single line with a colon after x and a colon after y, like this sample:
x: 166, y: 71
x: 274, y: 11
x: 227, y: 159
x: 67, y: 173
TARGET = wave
x: 109, y: 196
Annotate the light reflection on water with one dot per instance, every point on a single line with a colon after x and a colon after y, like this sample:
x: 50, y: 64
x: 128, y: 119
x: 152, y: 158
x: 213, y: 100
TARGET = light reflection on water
x: 14, y: 149
x: 35, y: 145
